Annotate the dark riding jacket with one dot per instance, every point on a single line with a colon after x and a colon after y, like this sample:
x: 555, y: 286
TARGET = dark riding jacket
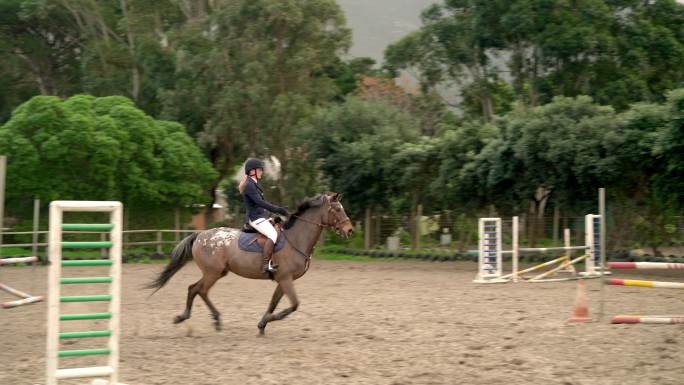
x: 256, y: 204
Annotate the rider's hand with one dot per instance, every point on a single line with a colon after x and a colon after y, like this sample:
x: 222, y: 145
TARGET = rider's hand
x: 282, y: 210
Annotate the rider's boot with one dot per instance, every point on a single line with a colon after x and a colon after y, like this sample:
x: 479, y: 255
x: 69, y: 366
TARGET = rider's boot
x: 266, y: 256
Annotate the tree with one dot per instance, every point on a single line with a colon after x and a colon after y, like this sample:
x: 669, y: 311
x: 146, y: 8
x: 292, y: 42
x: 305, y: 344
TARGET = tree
x: 250, y: 72
x: 559, y: 152
x: 38, y: 42
x: 464, y: 166
x: 455, y: 44
x: 347, y: 73
x: 669, y: 149
x: 648, y: 190
x: 354, y: 144
x: 99, y: 149
x: 617, y: 52
x: 126, y: 46
x: 650, y: 54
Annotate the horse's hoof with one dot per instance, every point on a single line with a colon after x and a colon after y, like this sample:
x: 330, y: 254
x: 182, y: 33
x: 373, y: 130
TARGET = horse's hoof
x: 218, y: 326
x: 261, y: 332
x: 179, y: 319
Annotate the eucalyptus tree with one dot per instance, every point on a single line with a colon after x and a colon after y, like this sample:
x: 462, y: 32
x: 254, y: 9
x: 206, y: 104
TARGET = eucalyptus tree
x: 40, y: 47
x: 456, y: 43
x: 247, y: 74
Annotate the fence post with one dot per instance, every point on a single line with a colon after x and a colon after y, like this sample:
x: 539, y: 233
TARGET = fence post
x: 36, y: 227
x: 377, y: 234
x: 176, y: 235
x: 602, y: 252
x: 516, y: 247
x: 3, y: 166
x: 159, y: 240
x: 556, y: 222
x: 419, y: 214
x: 367, y: 230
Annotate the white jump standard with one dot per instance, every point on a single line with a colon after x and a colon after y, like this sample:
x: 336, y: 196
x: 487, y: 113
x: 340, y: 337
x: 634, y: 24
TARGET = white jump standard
x: 55, y: 280
x: 490, y: 253
x: 490, y: 263
x: 593, y: 239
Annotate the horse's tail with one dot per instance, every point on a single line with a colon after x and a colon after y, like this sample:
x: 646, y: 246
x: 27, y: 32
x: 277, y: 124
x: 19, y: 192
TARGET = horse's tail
x: 180, y: 255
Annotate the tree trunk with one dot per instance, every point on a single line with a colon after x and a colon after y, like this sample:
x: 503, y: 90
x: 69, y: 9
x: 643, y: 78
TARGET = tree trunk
x: 537, y: 209
x: 534, y: 100
x: 656, y: 252
x: 530, y: 224
x: 487, y: 107
x: 136, y: 76
x: 42, y: 77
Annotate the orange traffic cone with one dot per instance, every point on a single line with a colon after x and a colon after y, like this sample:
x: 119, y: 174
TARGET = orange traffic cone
x: 581, y: 311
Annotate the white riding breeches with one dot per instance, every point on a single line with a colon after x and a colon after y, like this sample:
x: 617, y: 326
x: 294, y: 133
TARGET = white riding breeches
x: 265, y: 227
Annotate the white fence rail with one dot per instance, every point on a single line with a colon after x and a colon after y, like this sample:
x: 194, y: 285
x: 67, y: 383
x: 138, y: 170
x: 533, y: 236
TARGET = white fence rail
x: 158, y: 240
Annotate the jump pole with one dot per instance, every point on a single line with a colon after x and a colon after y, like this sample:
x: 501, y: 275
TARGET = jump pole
x: 25, y: 297
x: 646, y: 265
x: 641, y: 283
x: 648, y: 319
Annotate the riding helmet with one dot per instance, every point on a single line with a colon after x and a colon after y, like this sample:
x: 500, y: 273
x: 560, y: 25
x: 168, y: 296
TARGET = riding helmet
x: 253, y: 163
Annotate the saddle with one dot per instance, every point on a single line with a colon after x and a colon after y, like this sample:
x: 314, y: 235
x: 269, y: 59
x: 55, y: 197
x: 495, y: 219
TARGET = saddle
x: 253, y: 241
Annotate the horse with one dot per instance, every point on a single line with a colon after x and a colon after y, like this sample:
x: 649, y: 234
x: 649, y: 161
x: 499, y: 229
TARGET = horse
x: 216, y: 252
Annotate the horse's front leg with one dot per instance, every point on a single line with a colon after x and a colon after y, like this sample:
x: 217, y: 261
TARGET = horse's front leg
x: 275, y: 299
x: 286, y: 287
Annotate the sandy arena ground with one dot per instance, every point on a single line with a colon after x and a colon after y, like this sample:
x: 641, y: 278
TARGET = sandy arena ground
x: 396, y: 322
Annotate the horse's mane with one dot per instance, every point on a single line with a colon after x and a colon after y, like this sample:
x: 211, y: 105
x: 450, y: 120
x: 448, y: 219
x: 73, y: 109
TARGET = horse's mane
x: 316, y: 201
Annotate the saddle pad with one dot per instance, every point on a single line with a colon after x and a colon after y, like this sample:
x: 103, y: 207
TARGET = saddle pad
x: 246, y: 242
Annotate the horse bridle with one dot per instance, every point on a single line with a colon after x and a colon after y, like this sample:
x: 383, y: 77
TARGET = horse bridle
x: 335, y: 225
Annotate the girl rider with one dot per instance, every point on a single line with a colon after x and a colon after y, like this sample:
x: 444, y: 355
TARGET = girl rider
x: 257, y: 206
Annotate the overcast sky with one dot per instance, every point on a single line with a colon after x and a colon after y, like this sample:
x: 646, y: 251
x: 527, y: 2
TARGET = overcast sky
x: 377, y: 23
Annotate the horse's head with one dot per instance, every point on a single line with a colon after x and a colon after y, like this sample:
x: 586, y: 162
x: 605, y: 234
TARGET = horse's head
x: 324, y: 211
x: 336, y: 218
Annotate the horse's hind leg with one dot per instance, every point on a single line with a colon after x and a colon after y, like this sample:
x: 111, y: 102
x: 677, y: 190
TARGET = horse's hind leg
x: 193, y: 290
x: 277, y: 295
x: 207, y: 282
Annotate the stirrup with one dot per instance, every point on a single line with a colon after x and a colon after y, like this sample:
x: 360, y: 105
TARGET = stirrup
x: 269, y: 267
x: 272, y: 268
